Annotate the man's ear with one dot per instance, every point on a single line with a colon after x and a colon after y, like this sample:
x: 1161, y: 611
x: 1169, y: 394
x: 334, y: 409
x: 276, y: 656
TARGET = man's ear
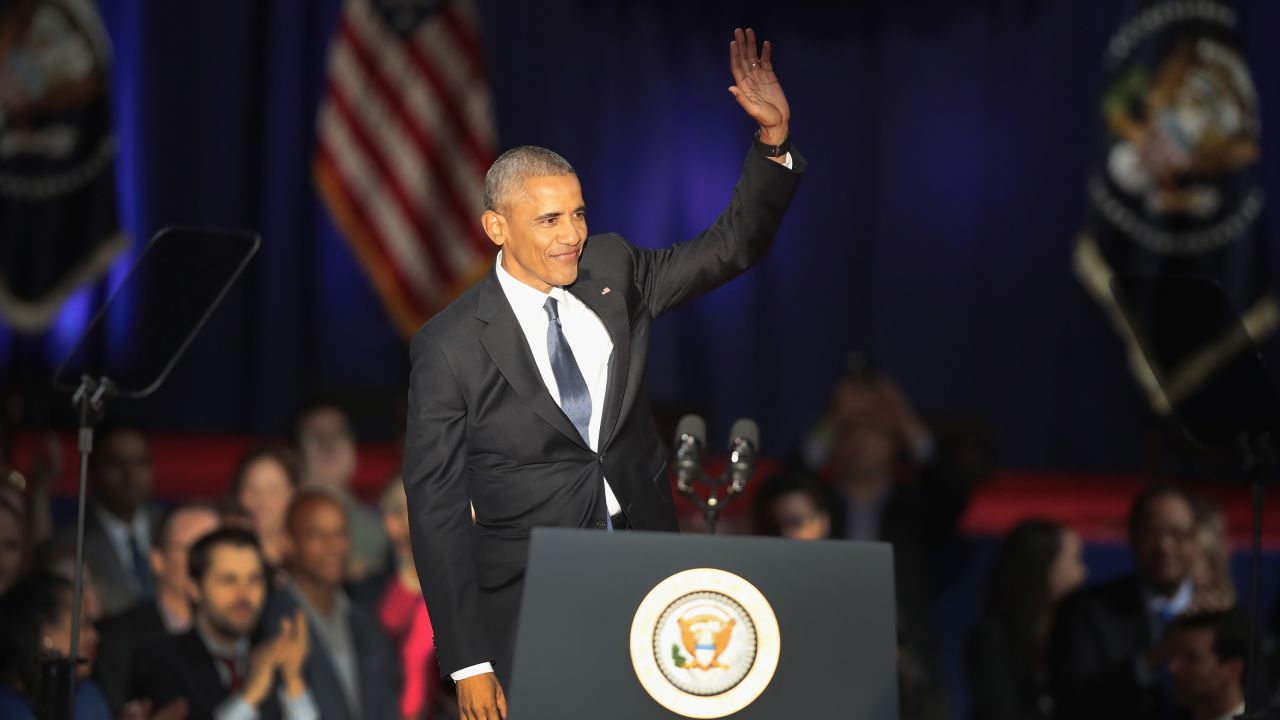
x: 495, y: 226
x: 156, y: 559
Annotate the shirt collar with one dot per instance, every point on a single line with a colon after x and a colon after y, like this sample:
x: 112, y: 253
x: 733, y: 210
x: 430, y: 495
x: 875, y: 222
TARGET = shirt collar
x: 120, y: 530
x: 341, y: 603
x: 1171, y: 606
x: 236, y: 651
x: 523, y: 298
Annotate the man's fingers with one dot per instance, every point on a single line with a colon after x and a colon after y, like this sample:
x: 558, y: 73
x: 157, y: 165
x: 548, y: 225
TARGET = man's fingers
x: 735, y: 61
x: 751, y: 46
x: 502, y: 703
x: 766, y: 58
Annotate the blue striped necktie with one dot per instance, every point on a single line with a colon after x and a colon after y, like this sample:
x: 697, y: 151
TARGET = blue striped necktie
x: 575, y: 400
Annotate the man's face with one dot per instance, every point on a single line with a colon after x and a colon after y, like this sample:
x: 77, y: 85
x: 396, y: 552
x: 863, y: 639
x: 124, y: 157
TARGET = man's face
x: 1164, y: 547
x: 122, y: 472
x: 798, y: 518
x: 328, y: 448
x: 321, y: 542
x: 1199, y: 678
x: 230, y: 595
x: 169, y: 560
x: 541, y: 231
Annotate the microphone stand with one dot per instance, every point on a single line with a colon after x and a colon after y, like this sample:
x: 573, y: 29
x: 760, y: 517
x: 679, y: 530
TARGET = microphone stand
x: 713, y: 503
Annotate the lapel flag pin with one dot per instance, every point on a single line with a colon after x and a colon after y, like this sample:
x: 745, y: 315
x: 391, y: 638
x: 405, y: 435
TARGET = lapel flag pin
x: 604, y: 291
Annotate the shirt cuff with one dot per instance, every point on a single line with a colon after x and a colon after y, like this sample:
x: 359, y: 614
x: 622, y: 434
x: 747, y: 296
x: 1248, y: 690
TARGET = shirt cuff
x: 299, y: 708
x: 786, y: 161
x: 235, y: 708
x: 472, y: 671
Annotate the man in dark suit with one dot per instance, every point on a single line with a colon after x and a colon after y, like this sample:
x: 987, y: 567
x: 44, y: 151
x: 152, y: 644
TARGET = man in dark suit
x: 1108, y: 650
x: 351, y: 667
x: 151, y: 620
x: 212, y: 666
x: 528, y: 399
x: 120, y: 518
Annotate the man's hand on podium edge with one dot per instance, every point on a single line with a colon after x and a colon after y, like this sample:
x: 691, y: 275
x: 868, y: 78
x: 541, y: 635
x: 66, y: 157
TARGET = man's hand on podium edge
x: 480, y: 697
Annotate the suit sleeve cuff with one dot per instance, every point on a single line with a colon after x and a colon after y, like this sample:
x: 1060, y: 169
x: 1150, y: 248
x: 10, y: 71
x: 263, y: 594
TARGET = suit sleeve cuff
x: 299, y: 708
x: 235, y: 708
x: 471, y: 671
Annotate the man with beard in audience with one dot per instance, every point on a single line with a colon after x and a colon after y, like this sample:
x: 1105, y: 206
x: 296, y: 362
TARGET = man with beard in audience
x: 213, y: 665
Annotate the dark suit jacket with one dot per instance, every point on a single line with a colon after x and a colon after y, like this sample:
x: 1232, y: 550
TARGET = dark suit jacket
x: 483, y: 429
x: 120, y: 637
x: 116, y: 583
x: 1098, y: 632
x: 181, y: 666
x: 375, y: 663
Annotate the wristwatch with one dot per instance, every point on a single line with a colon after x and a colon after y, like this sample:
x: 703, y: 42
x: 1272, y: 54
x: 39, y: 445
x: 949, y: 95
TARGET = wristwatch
x: 772, y: 151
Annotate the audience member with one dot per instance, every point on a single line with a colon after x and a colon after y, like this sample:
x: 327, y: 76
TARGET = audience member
x: 1038, y: 563
x: 792, y: 504
x: 169, y: 613
x: 118, y: 524
x: 57, y: 558
x: 263, y: 484
x: 35, y: 626
x: 13, y: 538
x: 212, y: 665
x: 329, y: 459
x: 403, y: 613
x: 896, y: 485
x: 1109, y: 648
x: 351, y: 666
x: 1207, y: 663
x: 1211, y: 571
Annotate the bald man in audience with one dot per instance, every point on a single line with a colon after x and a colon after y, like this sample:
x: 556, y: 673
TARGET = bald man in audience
x: 351, y: 669
x: 169, y: 613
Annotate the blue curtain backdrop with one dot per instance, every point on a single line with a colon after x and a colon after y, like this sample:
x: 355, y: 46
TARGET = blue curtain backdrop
x: 947, y: 143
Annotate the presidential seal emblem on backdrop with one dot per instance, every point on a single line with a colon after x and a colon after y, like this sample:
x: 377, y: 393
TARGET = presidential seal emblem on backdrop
x: 705, y: 643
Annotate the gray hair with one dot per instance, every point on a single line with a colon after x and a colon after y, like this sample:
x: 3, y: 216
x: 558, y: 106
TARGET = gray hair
x: 513, y: 167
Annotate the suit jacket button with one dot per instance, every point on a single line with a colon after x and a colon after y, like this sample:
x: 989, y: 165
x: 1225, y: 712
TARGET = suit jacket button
x: 601, y: 458
x: 601, y: 524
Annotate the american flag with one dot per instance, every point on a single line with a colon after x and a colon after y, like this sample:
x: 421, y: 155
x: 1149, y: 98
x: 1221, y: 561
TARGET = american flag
x: 405, y: 135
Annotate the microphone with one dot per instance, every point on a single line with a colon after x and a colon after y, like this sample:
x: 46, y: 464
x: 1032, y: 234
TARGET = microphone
x: 744, y: 438
x: 691, y: 438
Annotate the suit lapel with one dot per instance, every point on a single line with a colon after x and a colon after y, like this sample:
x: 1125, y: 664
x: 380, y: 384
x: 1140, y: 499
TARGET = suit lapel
x: 612, y: 311
x: 503, y: 339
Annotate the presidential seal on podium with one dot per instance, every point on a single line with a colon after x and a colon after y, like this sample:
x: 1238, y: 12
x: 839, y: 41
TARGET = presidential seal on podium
x: 705, y: 643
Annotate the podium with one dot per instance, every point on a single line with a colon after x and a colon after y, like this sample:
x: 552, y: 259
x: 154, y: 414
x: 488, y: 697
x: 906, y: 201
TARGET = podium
x: 643, y: 626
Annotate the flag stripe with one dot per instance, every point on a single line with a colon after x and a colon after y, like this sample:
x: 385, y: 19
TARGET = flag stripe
x: 385, y: 220
x: 363, y: 139
x: 395, y: 288
x: 431, y: 154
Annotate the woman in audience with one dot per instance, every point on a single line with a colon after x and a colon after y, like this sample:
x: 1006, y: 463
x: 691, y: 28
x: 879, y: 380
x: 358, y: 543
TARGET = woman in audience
x: 59, y: 559
x: 35, y: 625
x: 1037, y: 565
x: 1212, y: 569
x: 264, y: 482
x: 403, y: 613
